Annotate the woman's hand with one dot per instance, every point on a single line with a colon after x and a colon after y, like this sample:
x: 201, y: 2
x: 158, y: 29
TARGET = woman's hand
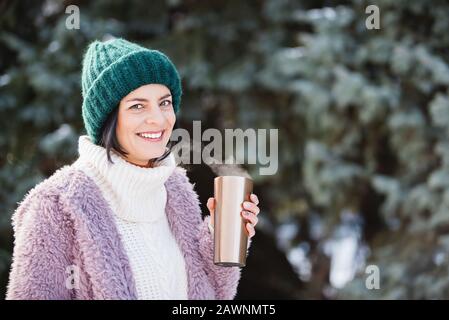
x: 249, y: 213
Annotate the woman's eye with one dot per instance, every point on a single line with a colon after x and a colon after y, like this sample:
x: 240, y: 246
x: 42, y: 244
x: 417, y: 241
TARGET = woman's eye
x: 136, y: 106
x: 165, y: 103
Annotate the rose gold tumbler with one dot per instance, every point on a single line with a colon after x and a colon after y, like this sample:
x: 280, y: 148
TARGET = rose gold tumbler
x: 230, y: 235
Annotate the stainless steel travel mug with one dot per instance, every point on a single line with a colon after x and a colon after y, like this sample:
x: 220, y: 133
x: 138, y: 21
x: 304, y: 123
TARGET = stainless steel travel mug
x: 230, y: 235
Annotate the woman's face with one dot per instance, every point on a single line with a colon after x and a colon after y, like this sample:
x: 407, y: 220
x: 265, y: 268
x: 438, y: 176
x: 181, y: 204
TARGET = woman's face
x: 145, y: 122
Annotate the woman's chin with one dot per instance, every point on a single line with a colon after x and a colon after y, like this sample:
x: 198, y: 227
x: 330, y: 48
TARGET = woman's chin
x: 152, y: 155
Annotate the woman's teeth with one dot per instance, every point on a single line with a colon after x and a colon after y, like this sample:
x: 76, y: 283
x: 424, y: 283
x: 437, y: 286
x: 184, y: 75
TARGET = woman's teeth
x: 156, y: 135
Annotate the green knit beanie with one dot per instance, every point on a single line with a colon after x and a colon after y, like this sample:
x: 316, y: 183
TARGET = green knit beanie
x: 112, y: 69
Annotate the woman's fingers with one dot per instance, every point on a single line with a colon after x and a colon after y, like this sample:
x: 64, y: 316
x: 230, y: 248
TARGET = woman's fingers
x: 211, y: 205
x: 254, y: 199
x: 250, y: 229
x: 251, y: 207
x: 251, y: 217
x: 250, y: 214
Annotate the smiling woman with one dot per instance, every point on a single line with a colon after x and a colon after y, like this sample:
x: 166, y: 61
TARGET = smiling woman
x: 145, y: 122
x: 123, y: 221
x: 142, y: 124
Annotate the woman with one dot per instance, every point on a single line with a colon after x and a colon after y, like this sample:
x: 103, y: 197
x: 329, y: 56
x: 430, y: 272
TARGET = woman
x: 123, y: 221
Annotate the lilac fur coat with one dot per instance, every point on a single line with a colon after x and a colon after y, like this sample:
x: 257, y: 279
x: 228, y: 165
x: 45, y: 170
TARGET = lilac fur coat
x: 65, y: 221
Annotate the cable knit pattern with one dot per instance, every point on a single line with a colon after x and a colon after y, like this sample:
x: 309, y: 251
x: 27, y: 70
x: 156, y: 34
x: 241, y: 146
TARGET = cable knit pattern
x: 138, y: 197
x: 66, y: 221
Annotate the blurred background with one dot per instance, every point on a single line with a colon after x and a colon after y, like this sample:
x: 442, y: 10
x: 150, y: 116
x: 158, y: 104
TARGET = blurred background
x: 362, y: 114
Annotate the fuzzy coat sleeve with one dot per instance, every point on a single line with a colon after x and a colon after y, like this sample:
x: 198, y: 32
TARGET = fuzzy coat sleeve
x: 225, y: 279
x: 41, y: 252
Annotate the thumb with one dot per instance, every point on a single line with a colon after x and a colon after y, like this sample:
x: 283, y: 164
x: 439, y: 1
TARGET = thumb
x: 211, y: 205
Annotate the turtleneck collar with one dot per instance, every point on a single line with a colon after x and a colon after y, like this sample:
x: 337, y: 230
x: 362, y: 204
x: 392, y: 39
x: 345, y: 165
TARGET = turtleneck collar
x: 140, y: 191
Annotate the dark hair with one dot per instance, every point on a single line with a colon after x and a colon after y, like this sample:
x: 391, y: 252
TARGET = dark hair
x: 110, y: 142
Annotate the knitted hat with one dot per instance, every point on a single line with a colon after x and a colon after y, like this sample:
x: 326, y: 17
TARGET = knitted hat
x: 112, y: 69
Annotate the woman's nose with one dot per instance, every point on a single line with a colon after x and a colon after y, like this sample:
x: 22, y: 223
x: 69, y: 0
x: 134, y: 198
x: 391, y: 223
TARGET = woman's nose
x: 155, y: 116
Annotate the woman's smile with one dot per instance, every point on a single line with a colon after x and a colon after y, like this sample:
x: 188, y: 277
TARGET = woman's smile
x: 151, y: 136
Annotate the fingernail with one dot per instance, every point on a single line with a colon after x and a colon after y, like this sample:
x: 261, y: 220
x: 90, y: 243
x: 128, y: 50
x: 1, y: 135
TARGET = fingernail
x: 246, y: 205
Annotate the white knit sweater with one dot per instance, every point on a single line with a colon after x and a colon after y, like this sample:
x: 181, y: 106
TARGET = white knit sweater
x: 137, y: 197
